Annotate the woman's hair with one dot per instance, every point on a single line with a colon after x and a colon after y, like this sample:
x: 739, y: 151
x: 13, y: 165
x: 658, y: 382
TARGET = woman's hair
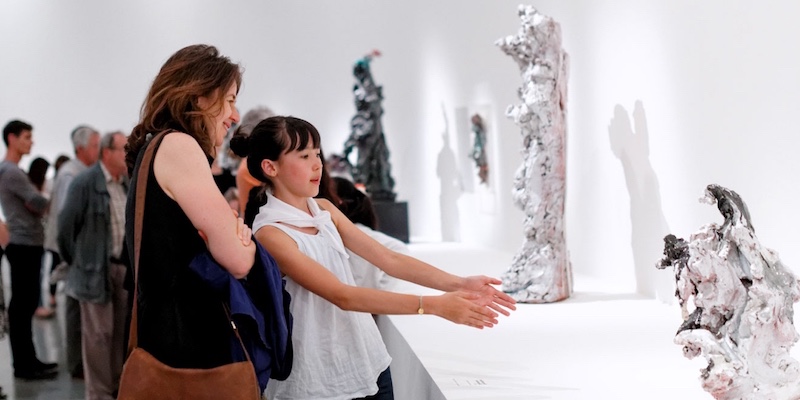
x: 355, y: 205
x: 60, y: 161
x: 192, y: 72
x: 38, y: 171
x: 271, y: 138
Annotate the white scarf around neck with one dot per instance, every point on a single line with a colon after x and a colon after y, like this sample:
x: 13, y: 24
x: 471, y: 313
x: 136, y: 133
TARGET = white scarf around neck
x: 278, y: 211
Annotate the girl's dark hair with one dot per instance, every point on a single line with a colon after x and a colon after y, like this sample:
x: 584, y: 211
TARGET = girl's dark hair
x: 326, y: 185
x: 255, y: 199
x: 355, y: 204
x: 258, y: 196
x: 192, y: 72
x: 270, y: 138
x: 38, y: 171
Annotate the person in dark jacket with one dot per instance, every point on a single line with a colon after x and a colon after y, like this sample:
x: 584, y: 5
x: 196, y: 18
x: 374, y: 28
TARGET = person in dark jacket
x: 90, y: 238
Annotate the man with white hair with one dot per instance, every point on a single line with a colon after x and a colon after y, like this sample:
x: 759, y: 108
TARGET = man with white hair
x: 92, y: 227
x: 86, y: 142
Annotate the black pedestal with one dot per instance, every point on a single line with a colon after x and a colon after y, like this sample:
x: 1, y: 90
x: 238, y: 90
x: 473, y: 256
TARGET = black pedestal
x: 393, y: 218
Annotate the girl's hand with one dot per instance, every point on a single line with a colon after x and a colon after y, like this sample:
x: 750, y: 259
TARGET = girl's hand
x: 461, y: 308
x: 489, y: 296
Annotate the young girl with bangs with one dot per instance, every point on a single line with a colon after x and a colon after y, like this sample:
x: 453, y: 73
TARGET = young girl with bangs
x: 339, y: 354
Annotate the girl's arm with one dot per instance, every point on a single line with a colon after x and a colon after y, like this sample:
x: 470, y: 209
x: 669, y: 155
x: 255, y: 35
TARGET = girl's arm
x: 411, y: 269
x: 181, y: 169
x: 458, y: 307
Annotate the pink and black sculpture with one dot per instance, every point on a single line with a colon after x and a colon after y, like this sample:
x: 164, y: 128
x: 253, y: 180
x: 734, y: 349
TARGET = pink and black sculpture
x: 737, y: 302
x: 541, y: 271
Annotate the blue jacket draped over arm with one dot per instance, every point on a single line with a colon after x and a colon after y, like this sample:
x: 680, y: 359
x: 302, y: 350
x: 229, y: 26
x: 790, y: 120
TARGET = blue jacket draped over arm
x: 259, y: 306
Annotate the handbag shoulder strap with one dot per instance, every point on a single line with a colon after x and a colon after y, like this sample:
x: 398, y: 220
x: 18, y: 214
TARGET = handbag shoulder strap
x: 141, y: 191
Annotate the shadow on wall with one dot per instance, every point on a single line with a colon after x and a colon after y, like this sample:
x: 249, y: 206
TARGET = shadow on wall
x: 630, y: 144
x: 450, y: 187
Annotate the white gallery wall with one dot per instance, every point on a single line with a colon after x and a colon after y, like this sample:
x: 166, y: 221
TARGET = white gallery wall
x: 664, y: 98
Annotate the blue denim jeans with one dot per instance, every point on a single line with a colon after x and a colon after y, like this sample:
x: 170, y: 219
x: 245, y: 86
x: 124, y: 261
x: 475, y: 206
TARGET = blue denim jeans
x: 385, y: 389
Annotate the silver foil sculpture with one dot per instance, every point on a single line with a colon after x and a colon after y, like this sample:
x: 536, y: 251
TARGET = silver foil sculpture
x: 541, y: 271
x: 478, y: 153
x: 372, y: 168
x: 737, y: 302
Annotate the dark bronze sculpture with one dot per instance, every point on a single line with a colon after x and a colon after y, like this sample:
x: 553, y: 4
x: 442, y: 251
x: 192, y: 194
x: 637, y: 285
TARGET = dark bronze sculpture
x: 372, y: 168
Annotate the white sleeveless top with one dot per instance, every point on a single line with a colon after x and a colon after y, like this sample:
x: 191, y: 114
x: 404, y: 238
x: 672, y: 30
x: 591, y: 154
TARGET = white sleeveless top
x: 337, y: 354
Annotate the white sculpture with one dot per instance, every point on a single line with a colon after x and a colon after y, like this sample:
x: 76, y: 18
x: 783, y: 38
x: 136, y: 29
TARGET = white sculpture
x: 737, y: 301
x: 541, y: 271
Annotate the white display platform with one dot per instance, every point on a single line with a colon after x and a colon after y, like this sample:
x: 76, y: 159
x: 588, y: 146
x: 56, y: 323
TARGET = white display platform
x: 599, y: 344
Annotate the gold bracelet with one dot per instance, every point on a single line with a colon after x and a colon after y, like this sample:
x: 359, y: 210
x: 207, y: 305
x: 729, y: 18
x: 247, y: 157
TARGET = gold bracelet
x: 420, y: 310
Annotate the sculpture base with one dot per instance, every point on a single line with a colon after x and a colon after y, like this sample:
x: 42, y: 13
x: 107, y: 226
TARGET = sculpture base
x: 393, y: 218
x: 538, y: 276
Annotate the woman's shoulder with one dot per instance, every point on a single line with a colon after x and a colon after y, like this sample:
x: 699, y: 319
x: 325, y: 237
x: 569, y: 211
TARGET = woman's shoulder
x: 180, y: 162
x: 179, y: 139
x: 179, y: 147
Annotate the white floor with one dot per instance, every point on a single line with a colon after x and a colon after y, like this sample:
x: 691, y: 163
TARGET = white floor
x: 48, y: 338
x: 599, y: 344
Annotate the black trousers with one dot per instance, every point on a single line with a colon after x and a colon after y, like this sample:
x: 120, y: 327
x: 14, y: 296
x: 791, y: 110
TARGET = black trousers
x: 26, y: 267
x: 385, y: 387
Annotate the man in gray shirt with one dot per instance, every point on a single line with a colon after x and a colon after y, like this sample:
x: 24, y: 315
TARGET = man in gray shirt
x: 24, y: 207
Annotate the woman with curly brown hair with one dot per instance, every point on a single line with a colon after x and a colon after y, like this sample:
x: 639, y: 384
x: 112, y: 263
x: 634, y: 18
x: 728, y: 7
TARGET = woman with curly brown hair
x: 180, y: 320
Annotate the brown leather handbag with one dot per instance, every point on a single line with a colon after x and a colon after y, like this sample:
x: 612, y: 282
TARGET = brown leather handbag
x: 146, y: 378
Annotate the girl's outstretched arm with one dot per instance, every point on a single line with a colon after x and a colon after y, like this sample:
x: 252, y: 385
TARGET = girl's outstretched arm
x: 459, y: 307
x: 413, y: 270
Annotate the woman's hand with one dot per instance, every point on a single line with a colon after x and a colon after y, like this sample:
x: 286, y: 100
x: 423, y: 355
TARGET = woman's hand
x: 488, y: 295
x: 243, y: 232
x: 461, y: 307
